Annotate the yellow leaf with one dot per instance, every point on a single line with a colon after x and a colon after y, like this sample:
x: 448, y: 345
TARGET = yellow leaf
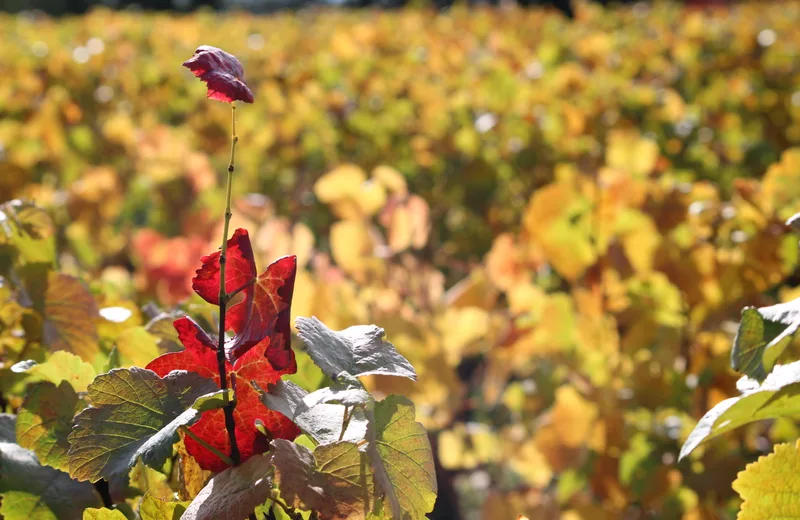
x: 351, y: 245
x: 769, y: 486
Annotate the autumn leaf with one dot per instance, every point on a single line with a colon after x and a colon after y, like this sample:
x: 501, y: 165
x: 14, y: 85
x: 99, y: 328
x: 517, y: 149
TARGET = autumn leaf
x: 221, y: 72
x: 70, y: 311
x: 769, y: 486
x: 153, y: 508
x: 265, y: 310
x: 234, y: 493
x: 102, y: 514
x: 135, y: 413
x: 200, y: 357
x: 335, y: 480
x: 44, y: 422
x: 401, y: 458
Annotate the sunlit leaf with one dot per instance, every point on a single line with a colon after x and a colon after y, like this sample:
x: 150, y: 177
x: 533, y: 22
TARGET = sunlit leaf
x: 401, y: 458
x: 769, y: 487
x: 103, y: 514
x: 358, y: 351
x: 777, y: 396
x: 153, y: 508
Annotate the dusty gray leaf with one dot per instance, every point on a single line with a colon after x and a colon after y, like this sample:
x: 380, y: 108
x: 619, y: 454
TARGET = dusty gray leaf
x: 321, y: 421
x: 358, y: 351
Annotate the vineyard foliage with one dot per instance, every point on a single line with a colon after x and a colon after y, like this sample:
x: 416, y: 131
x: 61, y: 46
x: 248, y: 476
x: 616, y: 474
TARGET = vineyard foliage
x: 556, y: 223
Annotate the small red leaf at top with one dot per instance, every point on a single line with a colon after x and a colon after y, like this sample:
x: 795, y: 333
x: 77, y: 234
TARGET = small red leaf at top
x: 270, y: 315
x: 221, y: 72
x: 240, y: 270
x: 200, y: 356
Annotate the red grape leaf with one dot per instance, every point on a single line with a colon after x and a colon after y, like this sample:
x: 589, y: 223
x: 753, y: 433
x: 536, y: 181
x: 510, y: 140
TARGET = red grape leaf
x: 221, y: 72
x: 270, y: 315
x: 200, y: 356
x: 265, y: 310
x: 240, y: 270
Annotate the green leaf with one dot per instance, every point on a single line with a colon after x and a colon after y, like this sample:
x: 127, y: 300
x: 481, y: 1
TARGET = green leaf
x: 44, y: 422
x: 103, y: 514
x: 321, y: 421
x: 777, y: 396
x: 153, y: 508
x: 234, y: 493
x: 70, y: 313
x: 134, y: 414
x: 402, y: 460
x: 64, y: 366
x: 770, y: 487
x: 32, y: 491
x: 358, y: 351
x: 29, y: 230
x: 763, y: 335
x: 136, y: 347
x: 335, y: 480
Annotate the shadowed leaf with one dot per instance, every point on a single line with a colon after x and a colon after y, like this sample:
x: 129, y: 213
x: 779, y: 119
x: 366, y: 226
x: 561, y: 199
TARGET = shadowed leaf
x: 31, y: 491
x: 335, y: 480
x: 234, y: 493
x: 44, y: 422
x: 134, y: 413
x: 763, y: 335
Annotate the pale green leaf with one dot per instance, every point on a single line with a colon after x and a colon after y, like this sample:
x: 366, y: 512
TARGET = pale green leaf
x: 777, y: 396
x: 134, y: 414
x: 136, y: 347
x: 401, y: 458
x: 64, y: 366
x: 763, y: 335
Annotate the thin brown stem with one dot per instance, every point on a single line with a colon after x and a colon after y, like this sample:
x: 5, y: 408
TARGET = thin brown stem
x: 230, y: 424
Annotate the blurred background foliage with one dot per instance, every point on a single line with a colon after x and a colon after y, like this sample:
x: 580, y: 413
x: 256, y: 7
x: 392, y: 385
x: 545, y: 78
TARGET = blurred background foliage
x: 558, y: 222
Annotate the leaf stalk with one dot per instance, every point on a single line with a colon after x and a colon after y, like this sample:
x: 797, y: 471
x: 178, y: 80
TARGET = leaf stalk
x: 230, y: 424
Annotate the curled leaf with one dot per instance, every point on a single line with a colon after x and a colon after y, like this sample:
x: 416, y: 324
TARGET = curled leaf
x: 221, y: 72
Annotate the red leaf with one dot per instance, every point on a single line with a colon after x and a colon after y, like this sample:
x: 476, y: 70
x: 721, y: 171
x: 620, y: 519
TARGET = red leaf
x: 240, y: 269
x: 266, y: 308
x: 221, y: 72
x: 200, y: 356
x: 270, y: 314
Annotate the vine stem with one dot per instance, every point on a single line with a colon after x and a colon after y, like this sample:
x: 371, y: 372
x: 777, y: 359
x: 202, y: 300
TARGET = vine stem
x: 223, y: 301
